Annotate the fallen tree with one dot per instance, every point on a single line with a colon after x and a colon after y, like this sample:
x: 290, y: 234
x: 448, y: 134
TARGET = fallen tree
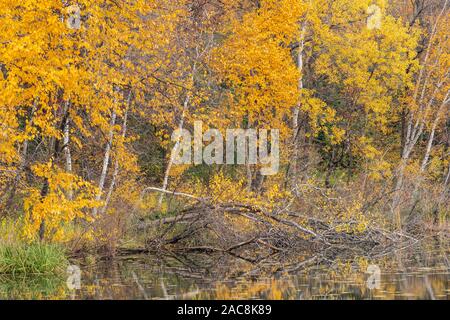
x: 206, y: 226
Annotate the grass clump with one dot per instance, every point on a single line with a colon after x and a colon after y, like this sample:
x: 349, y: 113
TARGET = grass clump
x: 35, y: 258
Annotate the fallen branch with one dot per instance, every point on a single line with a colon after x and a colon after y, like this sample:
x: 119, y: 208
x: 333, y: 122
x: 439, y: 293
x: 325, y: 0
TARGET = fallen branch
x: 181, y: 194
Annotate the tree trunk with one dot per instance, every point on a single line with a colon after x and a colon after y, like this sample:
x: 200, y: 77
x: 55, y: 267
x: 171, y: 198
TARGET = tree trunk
x: 57, y: 148
x: 116, y: 163
x: 296, y: 115
x: 174, y: 151
x: 102, y: 179
x: 23, y: 163
x: 66, y: 146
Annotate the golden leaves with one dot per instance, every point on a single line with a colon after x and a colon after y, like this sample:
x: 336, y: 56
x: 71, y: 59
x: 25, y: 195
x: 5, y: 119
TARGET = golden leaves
x: 67, y: 199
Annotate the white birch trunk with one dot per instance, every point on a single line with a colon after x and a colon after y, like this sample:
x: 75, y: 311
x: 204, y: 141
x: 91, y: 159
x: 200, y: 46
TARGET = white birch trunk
x: 102, y: 179
x: 116, y: 163
x: 416, y: 126
x: 177, y: 144
x: 66, y: 140
x: 174, y: 151
x: 295, y: 123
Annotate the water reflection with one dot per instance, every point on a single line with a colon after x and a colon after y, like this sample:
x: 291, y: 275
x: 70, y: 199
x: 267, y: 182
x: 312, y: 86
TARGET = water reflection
x: 415, y: 273
x: 32, y: 287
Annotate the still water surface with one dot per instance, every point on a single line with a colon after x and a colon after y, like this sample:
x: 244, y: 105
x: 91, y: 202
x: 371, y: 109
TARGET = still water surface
x: 419, y: 272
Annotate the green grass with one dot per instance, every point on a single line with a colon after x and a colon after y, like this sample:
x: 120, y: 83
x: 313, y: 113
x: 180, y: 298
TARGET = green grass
x: 32, y: 259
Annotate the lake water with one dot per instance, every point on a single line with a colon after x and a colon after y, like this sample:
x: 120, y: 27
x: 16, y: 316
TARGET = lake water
x: 416, y: 272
